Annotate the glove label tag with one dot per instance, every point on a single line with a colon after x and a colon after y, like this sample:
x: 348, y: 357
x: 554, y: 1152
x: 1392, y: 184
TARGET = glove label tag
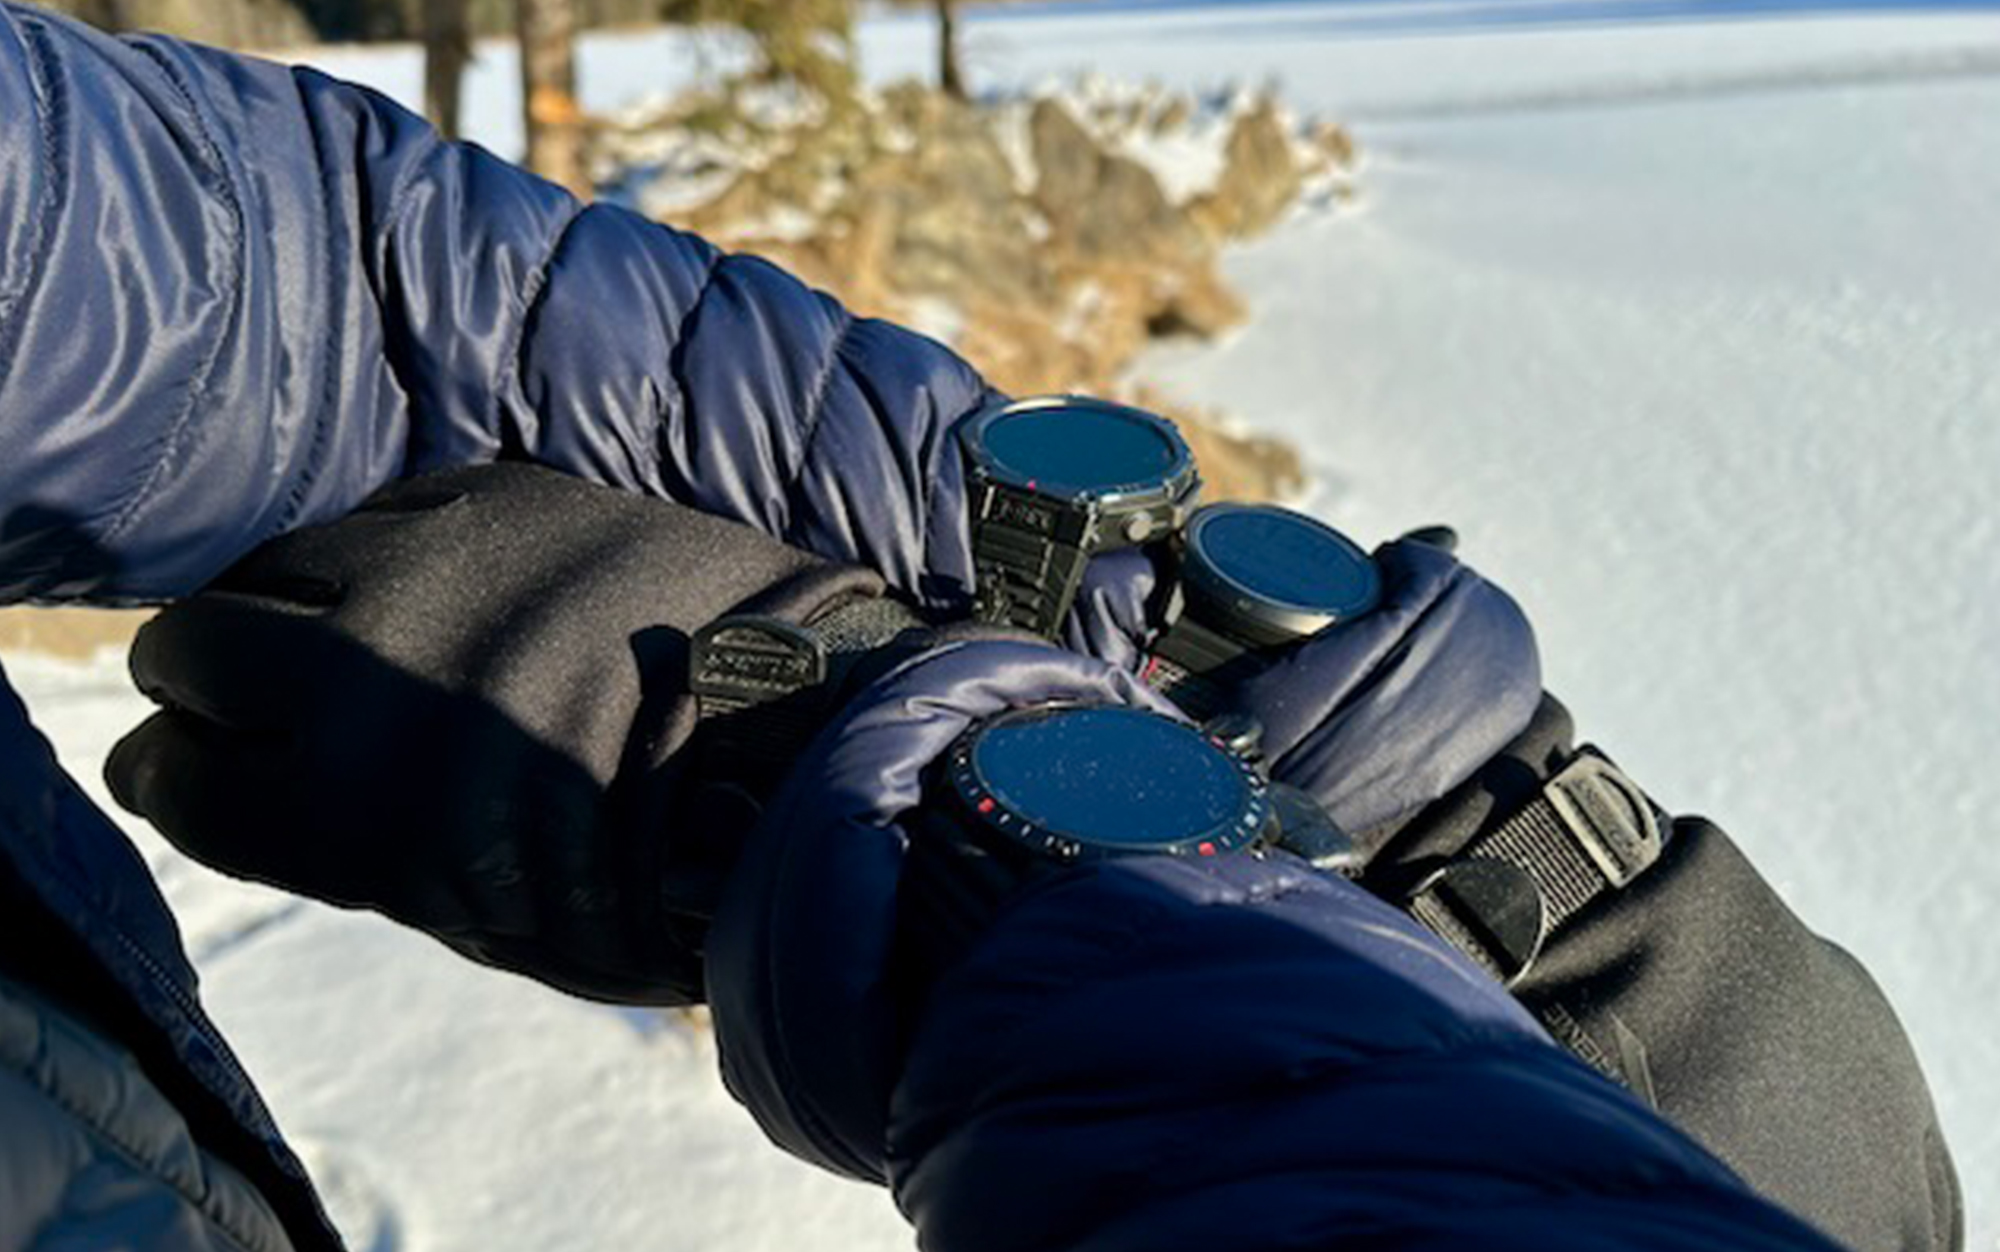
x: 751, y: 660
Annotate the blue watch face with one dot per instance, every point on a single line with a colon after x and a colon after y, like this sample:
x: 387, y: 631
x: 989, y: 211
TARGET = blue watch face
x: 1115, y: 780
x: 1287, y: 559
x: 1083, y: 449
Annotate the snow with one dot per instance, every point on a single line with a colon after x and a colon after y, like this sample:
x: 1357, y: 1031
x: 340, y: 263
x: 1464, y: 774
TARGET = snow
x: 1681, y: 313
x: 455, y: 1107
x: 1708, y: 381
x: 1124, y: 116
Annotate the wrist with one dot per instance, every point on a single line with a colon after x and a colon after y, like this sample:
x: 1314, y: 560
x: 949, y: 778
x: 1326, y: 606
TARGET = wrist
x: 809, y: 1046
x: 1055, y: 481
x: 1021, y: 798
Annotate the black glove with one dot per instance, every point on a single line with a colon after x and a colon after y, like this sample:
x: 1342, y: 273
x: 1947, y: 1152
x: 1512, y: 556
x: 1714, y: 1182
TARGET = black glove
x: 1698, y: 988
x: 466, y: 706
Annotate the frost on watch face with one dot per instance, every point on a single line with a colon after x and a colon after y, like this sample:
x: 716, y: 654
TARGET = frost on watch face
x: 1112, y: 776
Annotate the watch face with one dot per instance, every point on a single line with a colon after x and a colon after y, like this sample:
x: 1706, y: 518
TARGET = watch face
x: 1288, y: 571
x: 1073, y: 446
x: 1083, y: 783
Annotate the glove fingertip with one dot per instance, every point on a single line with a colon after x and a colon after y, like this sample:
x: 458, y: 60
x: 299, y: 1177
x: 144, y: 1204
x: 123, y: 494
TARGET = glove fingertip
x: 131, y: 770
x: 195, y: 782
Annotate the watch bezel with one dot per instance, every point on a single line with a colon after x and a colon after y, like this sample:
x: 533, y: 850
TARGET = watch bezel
x: 1176, y: 486
x: 1225, y: 605
x: 983, y: 805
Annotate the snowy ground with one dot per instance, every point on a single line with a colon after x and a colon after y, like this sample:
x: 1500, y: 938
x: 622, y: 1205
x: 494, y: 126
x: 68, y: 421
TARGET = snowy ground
x: 1686, y: 322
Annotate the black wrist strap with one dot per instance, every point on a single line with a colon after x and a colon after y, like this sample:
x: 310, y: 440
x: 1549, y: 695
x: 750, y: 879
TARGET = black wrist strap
x: 953, y: 885
x: 764, y: 686
x: 1590, y: 831
x: 1181, y: 661
x: 1026, y: 578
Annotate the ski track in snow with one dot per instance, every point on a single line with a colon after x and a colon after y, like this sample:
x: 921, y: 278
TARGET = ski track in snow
x: 1683, y: 315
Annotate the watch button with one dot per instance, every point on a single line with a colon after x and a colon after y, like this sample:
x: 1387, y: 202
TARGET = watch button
x: 1139, y: 527
x: 1238, y: 732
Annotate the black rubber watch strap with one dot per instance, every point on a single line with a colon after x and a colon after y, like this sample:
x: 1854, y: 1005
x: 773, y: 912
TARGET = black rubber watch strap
x: 1590, y: 831
x: 1181, y: 662
x: 952, y: 887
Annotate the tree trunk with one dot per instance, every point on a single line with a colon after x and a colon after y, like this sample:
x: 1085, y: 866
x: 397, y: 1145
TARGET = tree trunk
x: 447, y: 51
x: 103, y: 14
x: 548, y: 91
x: 951, y: 76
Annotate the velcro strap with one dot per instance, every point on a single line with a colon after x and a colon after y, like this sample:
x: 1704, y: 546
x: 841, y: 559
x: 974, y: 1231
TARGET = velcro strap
x: 764, y: 686
x: 1591, y: 830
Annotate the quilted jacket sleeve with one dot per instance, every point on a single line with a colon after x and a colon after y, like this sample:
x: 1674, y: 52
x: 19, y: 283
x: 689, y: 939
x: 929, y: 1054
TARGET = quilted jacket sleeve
x: 98, y: 1153
x: 1157, y: 1052
x: 237, y: 297
x: 1245, y: 1055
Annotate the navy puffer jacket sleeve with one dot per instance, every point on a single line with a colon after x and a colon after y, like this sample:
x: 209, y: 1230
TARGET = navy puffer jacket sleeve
x: 237, y: 297
x: 1247, y: 1055
x: 1149, y: 1053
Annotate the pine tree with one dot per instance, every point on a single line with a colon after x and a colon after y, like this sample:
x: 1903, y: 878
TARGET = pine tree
x: 447, y: 51
x: 547, y: 30
x: 951, y: 61
x: 808, y: 42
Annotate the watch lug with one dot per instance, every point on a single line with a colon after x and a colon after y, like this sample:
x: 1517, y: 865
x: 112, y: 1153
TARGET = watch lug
x: 1307, y: 831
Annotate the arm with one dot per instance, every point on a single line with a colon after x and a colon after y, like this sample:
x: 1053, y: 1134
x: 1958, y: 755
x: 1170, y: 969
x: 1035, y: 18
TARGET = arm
x: 83, y: 925
x: 1252, y: 1056
x: 1151, y: 1052
x: 1423, y: 729
x: 236, y: 298
x: 1697, y: 986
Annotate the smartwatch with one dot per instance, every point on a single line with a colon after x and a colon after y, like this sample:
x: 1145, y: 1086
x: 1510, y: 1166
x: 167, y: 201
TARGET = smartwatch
x: 1251, y: 577
x: 1027, y: 794
x: 1052, y: 482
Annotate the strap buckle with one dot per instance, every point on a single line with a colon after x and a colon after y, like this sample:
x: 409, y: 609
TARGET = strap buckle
x: 1608, y: 816
x: 764, y: 686
x: 761, y: 690
x: 1591, y: 830
x: 747, y: 659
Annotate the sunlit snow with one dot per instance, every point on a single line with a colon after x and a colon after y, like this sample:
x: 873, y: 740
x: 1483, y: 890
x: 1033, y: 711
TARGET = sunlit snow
x: 1686, y: 320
